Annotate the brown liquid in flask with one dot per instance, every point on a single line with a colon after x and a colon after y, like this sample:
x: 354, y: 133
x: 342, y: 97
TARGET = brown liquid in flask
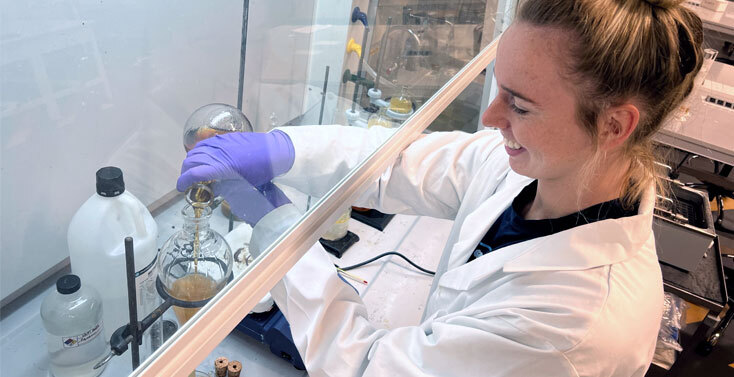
x: 192, y: 287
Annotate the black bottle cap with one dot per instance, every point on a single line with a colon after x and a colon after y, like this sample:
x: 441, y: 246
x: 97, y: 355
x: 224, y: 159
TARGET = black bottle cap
x: 68, y: 284
x: 109, y: 181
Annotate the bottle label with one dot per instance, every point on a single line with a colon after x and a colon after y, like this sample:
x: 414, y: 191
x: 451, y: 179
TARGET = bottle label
x: 81, y: 339
x: 145, y: 288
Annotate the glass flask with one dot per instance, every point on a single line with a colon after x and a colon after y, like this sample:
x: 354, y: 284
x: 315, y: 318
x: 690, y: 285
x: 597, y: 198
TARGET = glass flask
x: 196, y: 262
x: 380, y: 119
x: 402, y: 103
x: 213, y: 119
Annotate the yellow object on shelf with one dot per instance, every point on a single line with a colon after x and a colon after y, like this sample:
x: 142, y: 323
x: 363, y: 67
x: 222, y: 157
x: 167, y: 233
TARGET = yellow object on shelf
x: 401, y: 104
x: 353, y: 46
x: 380, y: 119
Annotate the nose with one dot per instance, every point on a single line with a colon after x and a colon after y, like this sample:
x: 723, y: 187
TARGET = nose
x: 493, y: 116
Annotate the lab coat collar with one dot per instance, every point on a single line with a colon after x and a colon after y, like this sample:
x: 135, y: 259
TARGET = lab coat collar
x: 588, y: 246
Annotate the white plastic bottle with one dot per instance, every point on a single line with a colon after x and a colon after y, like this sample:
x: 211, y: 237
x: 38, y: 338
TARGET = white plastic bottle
x: 72, y: 317
x: 96, y: 247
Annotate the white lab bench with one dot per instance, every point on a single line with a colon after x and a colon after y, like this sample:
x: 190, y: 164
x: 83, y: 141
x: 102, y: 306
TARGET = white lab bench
x: 395, y: 296
x: 722, y: 22
x: 701, y: 127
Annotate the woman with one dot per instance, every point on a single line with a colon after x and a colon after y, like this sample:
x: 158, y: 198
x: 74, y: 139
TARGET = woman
x: 550, y: 269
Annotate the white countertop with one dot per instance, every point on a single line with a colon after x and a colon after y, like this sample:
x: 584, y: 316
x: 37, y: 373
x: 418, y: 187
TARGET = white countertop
x: 722, y: 22
x: 701, y: 127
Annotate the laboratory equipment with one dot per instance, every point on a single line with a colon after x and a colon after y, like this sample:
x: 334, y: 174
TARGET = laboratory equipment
x: 196, y: 262
x: 271, y: 328
x: 371, y: 217
x: 683, y: 227
x: 192, y: 266
x: 72, y: 317
x: 380, y: 119
x: 709, y: 56
x: 234, y: 368
x: 337, y: 239
x: 353, y: 114
x: 211, y: 120
x: 361, y: 16
x: 339, y: 229
x: 95, y: 237
x: 220, y: 366
x: 400, y: 107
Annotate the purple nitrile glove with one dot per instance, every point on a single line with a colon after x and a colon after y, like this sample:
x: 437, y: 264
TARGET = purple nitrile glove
x: 247, y: 202
x: 256, y: 157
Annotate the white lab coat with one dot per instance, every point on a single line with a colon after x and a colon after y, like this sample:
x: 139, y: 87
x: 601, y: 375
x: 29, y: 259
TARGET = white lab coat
x: 582, y: 302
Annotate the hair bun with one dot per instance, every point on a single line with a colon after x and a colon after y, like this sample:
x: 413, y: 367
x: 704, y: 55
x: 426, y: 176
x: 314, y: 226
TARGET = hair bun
x: 665, y: 4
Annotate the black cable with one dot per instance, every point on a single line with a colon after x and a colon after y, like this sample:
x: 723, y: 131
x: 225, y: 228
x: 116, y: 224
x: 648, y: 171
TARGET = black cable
x: 674, y: 172
x: 384, y: 255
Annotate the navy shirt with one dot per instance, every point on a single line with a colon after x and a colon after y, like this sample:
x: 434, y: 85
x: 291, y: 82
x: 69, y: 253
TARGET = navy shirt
x: 510, y: 228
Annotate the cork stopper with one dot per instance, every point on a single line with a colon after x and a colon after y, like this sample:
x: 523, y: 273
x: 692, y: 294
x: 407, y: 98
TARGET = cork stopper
x: 234, y: 368
x: 220, y: 366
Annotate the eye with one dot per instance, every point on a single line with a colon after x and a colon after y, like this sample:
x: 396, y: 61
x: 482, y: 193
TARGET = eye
x: 516, y: 109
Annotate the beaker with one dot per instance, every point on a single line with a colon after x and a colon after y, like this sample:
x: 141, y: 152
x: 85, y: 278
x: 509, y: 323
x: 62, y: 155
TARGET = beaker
x: 709, y: 56
x: 340, y: 228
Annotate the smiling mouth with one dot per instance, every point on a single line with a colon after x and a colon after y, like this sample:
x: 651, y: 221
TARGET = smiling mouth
x: 512, y: 144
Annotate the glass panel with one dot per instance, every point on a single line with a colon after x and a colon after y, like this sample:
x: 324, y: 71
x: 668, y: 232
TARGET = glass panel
x: 88, y: 84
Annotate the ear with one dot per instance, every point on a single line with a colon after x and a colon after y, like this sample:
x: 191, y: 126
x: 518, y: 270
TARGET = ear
x: 617, y: 124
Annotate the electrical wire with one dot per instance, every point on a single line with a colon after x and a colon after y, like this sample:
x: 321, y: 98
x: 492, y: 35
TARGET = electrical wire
x: 429, y: 272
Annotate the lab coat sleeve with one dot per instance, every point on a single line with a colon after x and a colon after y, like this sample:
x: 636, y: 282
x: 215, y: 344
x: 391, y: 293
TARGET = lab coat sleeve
x: 332, y: 332
x: 430, y: 177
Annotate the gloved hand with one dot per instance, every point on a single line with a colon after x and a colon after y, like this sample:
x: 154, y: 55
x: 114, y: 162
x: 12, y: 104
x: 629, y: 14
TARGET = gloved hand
x: 256, y: 157
x: 247, y: 202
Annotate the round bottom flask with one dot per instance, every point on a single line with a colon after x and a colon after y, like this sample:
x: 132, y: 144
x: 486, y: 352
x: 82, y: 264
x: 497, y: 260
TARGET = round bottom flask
x: 195, y: 263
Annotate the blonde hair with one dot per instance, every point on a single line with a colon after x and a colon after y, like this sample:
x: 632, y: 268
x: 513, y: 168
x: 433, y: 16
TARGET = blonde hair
x: 626, y: 50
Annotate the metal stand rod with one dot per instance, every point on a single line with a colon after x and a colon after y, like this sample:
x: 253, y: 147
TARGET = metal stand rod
x: 359, y: 66
x: 124, y: 334
x: 323, y: 95
x: 132, y: 301
x: 383, y: 45
x: 321, y: 117
x: 243, y: 49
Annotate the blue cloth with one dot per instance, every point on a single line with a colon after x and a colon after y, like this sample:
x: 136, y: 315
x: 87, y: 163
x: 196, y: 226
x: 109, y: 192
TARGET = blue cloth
x: 511, y: 228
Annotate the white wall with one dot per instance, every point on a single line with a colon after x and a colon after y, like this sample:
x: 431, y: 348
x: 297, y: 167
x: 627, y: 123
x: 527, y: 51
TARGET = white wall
x: 85, y: 84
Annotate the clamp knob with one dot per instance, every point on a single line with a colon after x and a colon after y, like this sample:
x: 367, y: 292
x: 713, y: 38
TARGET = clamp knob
x: 353, y: 46
x: 359, y: 15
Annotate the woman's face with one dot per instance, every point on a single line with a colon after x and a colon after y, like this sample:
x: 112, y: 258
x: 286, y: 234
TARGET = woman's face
x: 535, y: 107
